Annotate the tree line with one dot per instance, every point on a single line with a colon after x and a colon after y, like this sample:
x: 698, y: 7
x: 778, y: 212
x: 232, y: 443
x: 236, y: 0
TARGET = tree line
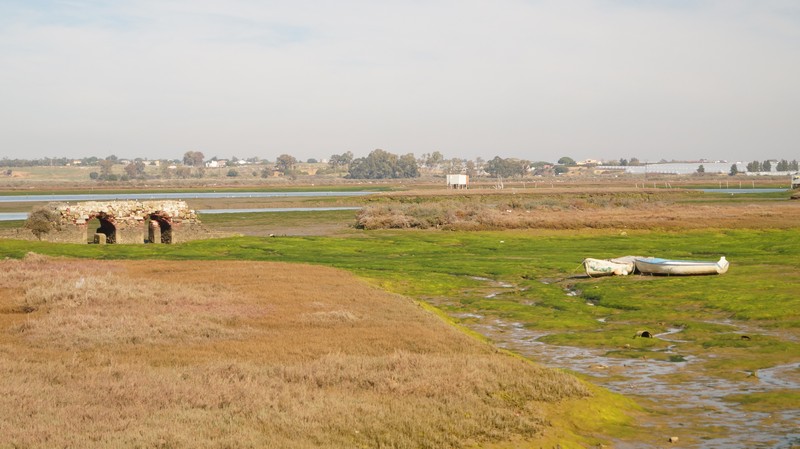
x: 378, y: 164
x: 765, y: 166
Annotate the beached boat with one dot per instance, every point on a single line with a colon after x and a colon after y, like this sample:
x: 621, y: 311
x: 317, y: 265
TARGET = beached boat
x: 654, y: 265
x: 619, y: 266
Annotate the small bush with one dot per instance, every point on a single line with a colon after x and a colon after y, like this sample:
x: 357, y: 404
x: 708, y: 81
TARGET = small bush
x: 41, y: 221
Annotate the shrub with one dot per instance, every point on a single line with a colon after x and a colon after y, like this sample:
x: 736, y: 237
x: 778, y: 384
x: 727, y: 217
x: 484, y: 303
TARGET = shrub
x: 41, y: 221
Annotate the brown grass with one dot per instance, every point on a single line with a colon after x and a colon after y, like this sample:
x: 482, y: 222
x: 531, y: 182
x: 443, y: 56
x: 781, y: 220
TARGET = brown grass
x: 615, y: 210
x: 228, y: 354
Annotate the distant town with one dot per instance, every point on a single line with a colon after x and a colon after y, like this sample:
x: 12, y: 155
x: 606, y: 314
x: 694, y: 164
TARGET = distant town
x: 380, y: 164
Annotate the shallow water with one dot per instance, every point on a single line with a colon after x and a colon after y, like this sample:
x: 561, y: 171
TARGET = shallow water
x: 685, y: 399
x: 171, y: 196
x: 741, y: 191
x: 15, y: 216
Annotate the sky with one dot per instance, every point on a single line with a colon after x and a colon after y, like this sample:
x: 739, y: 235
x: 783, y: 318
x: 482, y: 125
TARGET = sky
x: 531, y: 79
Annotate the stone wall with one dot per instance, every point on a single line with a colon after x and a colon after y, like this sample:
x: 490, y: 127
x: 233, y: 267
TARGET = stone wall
x: 130, y: 222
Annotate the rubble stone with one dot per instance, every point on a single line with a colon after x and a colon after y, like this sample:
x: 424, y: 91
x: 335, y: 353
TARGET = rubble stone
x: 123, y: 221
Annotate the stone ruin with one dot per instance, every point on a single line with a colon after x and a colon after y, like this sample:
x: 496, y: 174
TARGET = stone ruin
x: 123, y: 222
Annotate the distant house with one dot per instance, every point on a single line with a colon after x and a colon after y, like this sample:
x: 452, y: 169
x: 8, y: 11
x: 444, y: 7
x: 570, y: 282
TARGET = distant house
x: 457, y: 181
x: 217, y: 163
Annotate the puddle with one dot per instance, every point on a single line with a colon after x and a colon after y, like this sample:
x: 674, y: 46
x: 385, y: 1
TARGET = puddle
x: 680, y: 392
x: 663, y: 336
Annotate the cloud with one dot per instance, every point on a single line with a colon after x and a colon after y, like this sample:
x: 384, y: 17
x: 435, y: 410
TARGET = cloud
x: 533, y: 79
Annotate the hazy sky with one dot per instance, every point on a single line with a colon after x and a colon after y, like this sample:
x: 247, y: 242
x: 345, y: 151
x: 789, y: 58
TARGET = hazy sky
x: 534, y: 79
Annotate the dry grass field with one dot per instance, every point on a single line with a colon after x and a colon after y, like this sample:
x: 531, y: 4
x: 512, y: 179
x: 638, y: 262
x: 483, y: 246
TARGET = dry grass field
x: 565, y: 209
x: 174, y: 354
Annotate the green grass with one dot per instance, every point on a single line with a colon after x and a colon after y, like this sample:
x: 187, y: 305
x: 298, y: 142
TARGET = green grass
x: 269, y: 220
x: 757, y: 297
x: 766, y: 402
x: 12, y: 224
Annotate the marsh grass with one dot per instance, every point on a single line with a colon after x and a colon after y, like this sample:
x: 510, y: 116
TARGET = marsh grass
x: 445, y: 267
x: 247, y: 354
x: 576, y: 210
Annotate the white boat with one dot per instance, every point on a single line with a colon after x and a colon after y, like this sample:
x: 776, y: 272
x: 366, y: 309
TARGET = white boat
x: 654, y: 265
x: 620, y: 266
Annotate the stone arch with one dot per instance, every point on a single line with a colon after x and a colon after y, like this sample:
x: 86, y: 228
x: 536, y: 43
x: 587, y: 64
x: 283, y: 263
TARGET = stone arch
x: 108, y: 227
x: 124, y: 222
x: 160, y: 228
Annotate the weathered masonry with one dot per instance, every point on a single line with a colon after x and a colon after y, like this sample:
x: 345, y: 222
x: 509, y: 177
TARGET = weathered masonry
x: 122, y: 222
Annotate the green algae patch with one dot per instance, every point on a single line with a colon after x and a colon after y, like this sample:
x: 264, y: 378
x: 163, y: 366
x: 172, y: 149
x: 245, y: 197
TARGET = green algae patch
x: 767, y: 401
x: 592, y: 422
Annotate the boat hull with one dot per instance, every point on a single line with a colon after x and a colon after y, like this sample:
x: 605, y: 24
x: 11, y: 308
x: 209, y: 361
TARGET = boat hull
x: 608, y: 267
x: 680, y: 267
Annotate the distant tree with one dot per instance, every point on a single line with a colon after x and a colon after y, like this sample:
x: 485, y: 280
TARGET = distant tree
x: 41, y: 221
x: 341, y: 160
x: 193, y: 158
x: 766, y: 166
x: 754, y: 166
x: 114, y: 159
x: 183, y: 172
x: 794, y: 166
x: 454, y: 166
x: 407, y: 167
x: 567, y: 161
x: 701, y: 169
x: 734, y: 170
x: 130, y: 170
x: 347, y: 157
x: 311, y: 160
x: 623, y: 162
x: 135, y: 169
x: 94, y: 175
x: 233, y: 173
x: 285, y: 163
x: 380, y: 164
x: 783, y: 165
x: 434, y: 159
x: 506, y: 168
x: 560, y: 169
x: 105, y: 168
x: 634, y: 162
x: 471, y: 169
